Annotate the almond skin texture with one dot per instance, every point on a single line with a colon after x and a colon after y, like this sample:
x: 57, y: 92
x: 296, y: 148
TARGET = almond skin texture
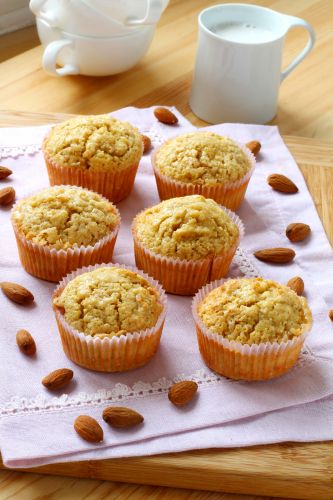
x: 254, y: 147
x: 146, y: 143
x: 57, y: 378
x: 296, y: 284
x: 297, y: 231
x: 181, y: 393
x: 166, y: 116
x: 122, y: 417
x: 5, y: 172
x: 25, y: 342
x: 330, y: 314
x: 7, y: 196
x: 282, y: 184
x: 17, y: 293
x: 275, y: 255
x: 89, y: 429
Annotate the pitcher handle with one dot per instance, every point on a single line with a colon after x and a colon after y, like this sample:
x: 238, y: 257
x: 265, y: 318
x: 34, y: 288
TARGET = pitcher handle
x: 153, y: 13
x: 296, y: 21
x: 50, y: 59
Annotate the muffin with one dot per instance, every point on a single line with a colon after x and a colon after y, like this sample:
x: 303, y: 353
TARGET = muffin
x: 250, y: 328
x: 110, y: 318
x: 62, y: 228
x: 186, y: 242
x: 203, y: 163
x: 96, y: 152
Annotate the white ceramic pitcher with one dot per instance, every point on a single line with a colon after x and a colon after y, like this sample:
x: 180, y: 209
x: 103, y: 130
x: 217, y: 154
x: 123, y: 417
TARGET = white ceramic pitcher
x: 238, y: 66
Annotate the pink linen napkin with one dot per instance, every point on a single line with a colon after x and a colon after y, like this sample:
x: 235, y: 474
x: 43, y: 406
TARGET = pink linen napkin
x: 36, y: 427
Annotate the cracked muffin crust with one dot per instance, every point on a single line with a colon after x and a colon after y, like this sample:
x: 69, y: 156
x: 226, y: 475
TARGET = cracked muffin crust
x: 63, y: 217
x: 96, y: 143
x: 109, y: 301
x: 202, y: 158
x: 255, y: 310
x: 188, y: 227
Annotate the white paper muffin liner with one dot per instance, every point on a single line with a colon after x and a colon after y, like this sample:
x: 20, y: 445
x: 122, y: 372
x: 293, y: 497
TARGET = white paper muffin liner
x: 115, y: 354
x: 115, y: 186
x: 51, y: 264
x: 228, y: 194
x: 185, y: 277
x: 241, y: 361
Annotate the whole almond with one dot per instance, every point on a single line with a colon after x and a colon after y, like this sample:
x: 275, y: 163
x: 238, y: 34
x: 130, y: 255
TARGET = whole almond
x: 330, y: 314
x: 254, y: 147
x: 282, y: 183
x: 26, y: 342
x: 181, y: 393
x: 89, y: 429
x: 166, y: 116
x: 146, y: 143
x: 5, y: 172
x: 275, y: 255
x: 7, y: 195
x: 57, y: 378
x: 296, y: 284
x: 297, y: 231
x: 17, y: 293
x: 120, y: 416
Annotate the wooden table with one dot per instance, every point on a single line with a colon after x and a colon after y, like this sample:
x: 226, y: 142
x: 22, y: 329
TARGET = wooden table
x: 164, y: 77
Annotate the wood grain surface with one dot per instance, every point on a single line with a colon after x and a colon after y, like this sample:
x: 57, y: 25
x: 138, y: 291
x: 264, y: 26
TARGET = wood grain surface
x: 164, y: 77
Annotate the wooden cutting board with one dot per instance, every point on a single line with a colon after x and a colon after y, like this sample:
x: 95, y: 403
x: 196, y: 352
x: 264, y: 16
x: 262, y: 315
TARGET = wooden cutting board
x: 289, y: 470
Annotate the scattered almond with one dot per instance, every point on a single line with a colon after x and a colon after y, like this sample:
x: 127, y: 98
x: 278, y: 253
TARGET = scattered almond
x: 26, y: 343
x: 282, y: 183
x: 5, y: 172
x: 7, y: 195
x: 17, y: 293
x: 275, y: 255
x: 296, y: 284
x: 57, y: 378
x: 330, y: 314
x: 146, y: 143
x: 120, y: 416
x: 166, y: 116
x: 254, y: 147
x: 297, y: 231
x: 88, y: 428
x: 181, y: 393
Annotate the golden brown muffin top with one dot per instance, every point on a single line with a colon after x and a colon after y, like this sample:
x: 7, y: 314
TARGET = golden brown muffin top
x: 202, y: 158
x: 98, y: 143
x: 255, y: 310
x: 63, y: 217
x: 188, y: 227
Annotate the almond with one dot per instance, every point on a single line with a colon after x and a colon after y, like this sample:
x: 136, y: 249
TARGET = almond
x: 275, y: 255
x: 281, y: 183
x: 296, y: 284
x: 26, y: 343
x: 57, y: 378
x: 120, y: 416
x: 297, y: 231
x: 17, y: 293
x: 330, y: 314
x: 181, y: 393
x: 7, y: 195
x: 146, y: 143
x: 88, y: 428
x: 166, y: 116
x: 254, y: 147
x: 5, y: 172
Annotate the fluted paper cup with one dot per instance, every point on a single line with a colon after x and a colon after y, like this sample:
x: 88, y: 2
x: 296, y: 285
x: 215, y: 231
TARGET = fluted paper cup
x: 241, y: 361
x: 115, y: 186
x: 51, y: 264
x: 228, y: 194
x: 185, y: 277
x: 115, y: 354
